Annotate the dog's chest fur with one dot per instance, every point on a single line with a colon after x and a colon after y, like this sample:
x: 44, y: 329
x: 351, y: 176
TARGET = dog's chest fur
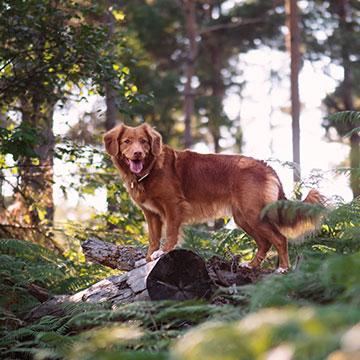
x: 141, y: 197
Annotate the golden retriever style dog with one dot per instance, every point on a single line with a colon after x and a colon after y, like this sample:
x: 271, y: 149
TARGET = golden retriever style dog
x: 174, y: 187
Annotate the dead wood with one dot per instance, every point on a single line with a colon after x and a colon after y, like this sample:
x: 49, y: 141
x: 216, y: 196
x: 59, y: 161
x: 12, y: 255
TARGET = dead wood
x: 122, y: 257
x: 179, y: 275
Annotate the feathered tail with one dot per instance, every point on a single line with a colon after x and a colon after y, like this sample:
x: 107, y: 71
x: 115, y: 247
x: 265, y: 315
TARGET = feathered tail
x: 297, y: 219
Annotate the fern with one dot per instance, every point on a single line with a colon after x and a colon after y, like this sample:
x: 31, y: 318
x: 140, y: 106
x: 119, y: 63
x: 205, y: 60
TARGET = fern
x: 289, y: 210
x: 328, y: 274
x: 352, y: 117
x: 296, y: 333
x: 224, y: 243
x: 23, y: 263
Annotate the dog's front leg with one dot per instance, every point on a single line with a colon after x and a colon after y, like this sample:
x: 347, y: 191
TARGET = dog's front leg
x: 155, y: 225
x: 173, y: 223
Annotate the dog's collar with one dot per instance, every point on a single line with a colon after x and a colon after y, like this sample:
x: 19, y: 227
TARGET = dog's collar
x: 139, y: 180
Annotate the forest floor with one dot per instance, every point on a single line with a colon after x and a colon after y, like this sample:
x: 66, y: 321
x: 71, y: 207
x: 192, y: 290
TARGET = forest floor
x: 313, y: 312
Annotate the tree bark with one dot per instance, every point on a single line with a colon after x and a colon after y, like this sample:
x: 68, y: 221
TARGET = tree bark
x: 121, y: 257
x: 191, y: 32
x: 293, y: 46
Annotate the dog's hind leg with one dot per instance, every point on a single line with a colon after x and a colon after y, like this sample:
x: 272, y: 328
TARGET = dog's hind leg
x: 269, y: 232
x: 262, y: 243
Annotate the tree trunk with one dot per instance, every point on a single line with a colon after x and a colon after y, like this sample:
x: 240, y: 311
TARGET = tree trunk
x: 293, y: 46
x: 347, y: 97
x: 112, y: 113
x: 355, y: 164
x: 37, y: 178
x: 191, y: 32
x: 218, y: 92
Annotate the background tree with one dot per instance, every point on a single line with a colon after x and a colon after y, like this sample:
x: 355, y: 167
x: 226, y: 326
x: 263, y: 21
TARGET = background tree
x: 338, y: 21
x: 293, y: 47
x: 49, y: 50
x: 189, y: 8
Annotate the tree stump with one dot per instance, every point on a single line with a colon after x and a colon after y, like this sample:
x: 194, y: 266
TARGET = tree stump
x: 179, y: 275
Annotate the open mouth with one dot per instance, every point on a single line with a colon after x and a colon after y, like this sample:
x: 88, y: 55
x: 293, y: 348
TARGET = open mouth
x: 135, y: 165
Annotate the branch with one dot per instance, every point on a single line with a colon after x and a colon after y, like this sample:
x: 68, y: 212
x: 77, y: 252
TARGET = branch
x: 121, y: 257
x: 230, y: 25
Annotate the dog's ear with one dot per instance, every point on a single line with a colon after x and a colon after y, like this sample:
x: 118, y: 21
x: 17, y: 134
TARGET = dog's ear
x: 111, y: 140
x: 155, y: 140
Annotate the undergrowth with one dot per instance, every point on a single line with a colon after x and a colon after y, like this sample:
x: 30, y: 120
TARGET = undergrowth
x: 308, y: 313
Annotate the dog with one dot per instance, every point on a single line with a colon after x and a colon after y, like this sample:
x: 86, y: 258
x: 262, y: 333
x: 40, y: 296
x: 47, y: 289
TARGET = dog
x: 176, y: 187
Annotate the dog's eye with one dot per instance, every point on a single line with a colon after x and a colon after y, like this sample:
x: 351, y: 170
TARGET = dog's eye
x: 143, y: 141
x: 127, y: 141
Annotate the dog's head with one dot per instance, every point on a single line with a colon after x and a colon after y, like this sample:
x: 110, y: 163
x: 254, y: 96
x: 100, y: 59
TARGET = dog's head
x: 136, y: 146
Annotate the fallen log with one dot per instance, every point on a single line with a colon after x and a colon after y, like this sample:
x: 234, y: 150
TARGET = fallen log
x: 121, y: 257
x: 179, y: 275
x: 140, y: 284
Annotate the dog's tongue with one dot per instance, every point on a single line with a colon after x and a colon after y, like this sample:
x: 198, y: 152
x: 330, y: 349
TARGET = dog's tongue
x: 136, y: 166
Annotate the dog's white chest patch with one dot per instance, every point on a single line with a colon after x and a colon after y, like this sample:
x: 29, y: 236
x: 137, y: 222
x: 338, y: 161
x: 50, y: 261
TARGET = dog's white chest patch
x: 149, y: 205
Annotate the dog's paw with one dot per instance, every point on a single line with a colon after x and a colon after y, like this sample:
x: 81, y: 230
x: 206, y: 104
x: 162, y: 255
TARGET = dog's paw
x: 281, y: 270
x: 245, y: 265
x: 157, y: 254
x: 140, y: 262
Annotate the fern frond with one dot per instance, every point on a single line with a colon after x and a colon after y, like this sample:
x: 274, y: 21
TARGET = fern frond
x: 289, y: 210
x: 352, y: 117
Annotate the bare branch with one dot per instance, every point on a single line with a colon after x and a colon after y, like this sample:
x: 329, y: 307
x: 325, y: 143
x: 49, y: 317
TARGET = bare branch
x: 232, y: 25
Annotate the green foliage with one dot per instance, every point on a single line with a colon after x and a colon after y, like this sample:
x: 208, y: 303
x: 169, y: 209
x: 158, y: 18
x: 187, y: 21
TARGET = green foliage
x: 300, y: 333
x: 318, y: 280
x: 48, y: 47
x: 285, y: 209
x: 223, y: 243
x: 18, y: 141
x: 344, y: 121
x: 24, y: 263
x: 52, y: 52
x: 316, y: 305
x: 328, y: 268
x: 345, y: 116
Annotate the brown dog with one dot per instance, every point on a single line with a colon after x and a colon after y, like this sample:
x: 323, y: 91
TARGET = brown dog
x: 178, y: 187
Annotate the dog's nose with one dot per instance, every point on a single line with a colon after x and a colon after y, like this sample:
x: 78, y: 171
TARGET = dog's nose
x: 137, y: 154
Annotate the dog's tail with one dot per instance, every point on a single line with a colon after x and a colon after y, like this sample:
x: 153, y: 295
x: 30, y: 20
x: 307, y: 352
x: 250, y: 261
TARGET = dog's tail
x: 297, y: 219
